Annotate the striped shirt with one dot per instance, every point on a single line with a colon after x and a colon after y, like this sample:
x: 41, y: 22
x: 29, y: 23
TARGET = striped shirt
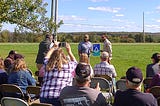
x: 55, y: 80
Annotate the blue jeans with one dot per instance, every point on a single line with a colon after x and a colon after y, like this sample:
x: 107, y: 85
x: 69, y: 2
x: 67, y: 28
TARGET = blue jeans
x: 53, y: 101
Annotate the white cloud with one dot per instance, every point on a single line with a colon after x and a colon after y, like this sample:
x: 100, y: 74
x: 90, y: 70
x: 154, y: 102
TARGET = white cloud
x: 72, y: 17
x: 158, y: 20
x: 158, y: 8
x: 105, y: 9
x: 117, y: 20
x: 119, y: 15
x: 98, y: 0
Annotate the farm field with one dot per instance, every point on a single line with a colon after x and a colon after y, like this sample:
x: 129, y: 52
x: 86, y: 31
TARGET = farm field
x: 124, y: 54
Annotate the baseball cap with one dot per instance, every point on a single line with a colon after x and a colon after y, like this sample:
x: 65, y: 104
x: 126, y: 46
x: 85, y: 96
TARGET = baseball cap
x: 104, y: 55
x: 82, y: 71
x: 12, y: 52
x: 134, y: 75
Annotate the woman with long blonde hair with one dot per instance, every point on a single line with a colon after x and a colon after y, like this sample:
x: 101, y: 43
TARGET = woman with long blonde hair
x: 20, y: 75
x: 59, y: 72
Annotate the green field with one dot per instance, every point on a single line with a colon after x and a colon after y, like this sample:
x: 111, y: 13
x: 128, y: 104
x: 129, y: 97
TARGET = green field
x: 124, y: 55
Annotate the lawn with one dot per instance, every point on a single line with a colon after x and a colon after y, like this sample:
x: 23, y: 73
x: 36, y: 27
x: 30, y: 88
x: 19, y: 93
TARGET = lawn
x: 124, y: 54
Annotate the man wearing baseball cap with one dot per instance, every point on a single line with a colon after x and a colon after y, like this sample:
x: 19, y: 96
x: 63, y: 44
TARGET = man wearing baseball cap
x: 133, y: 95
x: 81, y: 94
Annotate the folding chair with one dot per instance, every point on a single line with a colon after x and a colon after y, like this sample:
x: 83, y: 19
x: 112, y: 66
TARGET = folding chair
x: 11, y: 90
x: 146, y: 83
x: 41, y: 104
x: 121, y: 85
x: 110, y: 80
x: 11, y: 101
x: 158, y: 101
x: 155, y: 90
x: 34, y: 93
x: 104, y: 85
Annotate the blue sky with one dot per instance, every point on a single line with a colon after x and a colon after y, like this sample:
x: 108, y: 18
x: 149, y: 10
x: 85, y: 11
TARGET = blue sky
x: 108, y: 15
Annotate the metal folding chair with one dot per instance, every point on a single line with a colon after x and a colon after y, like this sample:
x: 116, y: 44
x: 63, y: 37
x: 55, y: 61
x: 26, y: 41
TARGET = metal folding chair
x: 104, y: 85
x: 121, y: 84
x: 155, y: 90
x: 34, y: 93
x: 11, y: 101
x: 146, y: 83
x: 11, y: 90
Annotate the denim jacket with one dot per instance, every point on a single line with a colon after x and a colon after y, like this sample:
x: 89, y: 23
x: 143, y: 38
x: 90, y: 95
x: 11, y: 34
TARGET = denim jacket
x: 22, y: 78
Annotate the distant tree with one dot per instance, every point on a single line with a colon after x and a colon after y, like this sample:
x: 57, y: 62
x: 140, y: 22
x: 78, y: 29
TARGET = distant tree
x: 27, y: 15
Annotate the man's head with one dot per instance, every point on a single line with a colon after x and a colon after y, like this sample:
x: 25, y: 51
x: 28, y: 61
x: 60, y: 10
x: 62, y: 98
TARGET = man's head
x: 134, y: 77
x: 49, y: 36
x: 156, y: 57
x: 82, y: 73
x: 104, y: 56
x: 103, y: 37
x: 86, y: 38
x: 12, y: 53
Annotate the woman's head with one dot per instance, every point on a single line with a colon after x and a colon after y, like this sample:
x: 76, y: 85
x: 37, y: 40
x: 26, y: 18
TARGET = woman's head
x: 56, y: 60
x: 84, y: 58
x: 1, y: 63
x: 19, y: 64
x: 156, y: 57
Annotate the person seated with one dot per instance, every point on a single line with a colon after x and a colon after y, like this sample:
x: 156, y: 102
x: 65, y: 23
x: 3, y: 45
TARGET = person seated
x: 81, y: 92
x: 105, y: 68
x: 84, y: 59
x: 133, y: 95
x: 152, y: 68
x: 20, y: 75
x: 3, y: 75
x: 9, y: 60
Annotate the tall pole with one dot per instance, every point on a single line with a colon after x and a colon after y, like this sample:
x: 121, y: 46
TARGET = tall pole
x: 143, y: 30
x: 55, y: 19
x: 52, y: 12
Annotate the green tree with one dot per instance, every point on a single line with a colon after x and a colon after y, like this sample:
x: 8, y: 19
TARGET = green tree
x: 27, y: 15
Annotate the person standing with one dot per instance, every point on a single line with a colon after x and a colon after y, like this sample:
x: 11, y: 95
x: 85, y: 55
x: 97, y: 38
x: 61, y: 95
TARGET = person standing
x: 133, y: 95
x: 44, y: 47
x: 107, y: 46
x: 85, y: 46
x: 59, y: 72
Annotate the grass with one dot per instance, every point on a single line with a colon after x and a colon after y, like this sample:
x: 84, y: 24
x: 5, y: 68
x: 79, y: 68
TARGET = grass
x: 124, y: 55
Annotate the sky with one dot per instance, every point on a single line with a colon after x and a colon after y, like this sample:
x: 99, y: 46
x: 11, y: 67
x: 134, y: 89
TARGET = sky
x: 107, y: 15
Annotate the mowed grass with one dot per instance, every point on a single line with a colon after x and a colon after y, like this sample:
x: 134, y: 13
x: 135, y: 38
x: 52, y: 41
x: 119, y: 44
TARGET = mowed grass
x: 125, y: 55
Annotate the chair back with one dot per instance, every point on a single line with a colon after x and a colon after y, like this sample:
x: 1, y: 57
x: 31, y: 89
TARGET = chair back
x: 155, y: 90
x: 11, y: 90
x: 158, y: 101
x: 10, y: 101
x: 121, y: 85
x: 41, y: 104
x: 33, y: 92
x: 103, y: 83
x: 146, y: 82
x: 104, y: 76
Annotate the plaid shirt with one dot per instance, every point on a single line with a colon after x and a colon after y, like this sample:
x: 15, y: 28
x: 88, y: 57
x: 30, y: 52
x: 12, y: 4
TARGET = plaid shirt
x: 104, y: 68
x: 55, y: 80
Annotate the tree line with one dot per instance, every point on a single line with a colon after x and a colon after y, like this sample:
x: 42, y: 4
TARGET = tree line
x: 95, y: 37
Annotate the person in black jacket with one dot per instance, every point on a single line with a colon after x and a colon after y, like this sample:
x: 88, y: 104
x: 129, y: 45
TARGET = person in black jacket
x: 44, y: 47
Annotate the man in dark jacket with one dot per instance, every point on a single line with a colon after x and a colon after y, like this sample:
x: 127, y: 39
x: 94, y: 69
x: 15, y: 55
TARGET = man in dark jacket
x: 44, y: 47
x: 133, y: 95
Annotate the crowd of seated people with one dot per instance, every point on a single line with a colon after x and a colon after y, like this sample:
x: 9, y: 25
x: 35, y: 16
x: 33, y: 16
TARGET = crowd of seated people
x: 59, y: 70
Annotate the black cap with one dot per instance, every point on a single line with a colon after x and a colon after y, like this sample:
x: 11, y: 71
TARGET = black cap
x: 82, y: 71
x: 134, y: 75
x: 12, y: 52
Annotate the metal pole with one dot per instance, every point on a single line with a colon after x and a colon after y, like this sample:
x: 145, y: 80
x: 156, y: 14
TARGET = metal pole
x: 52, y: 13
x: 55, y: 18
x: 143, y: 30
